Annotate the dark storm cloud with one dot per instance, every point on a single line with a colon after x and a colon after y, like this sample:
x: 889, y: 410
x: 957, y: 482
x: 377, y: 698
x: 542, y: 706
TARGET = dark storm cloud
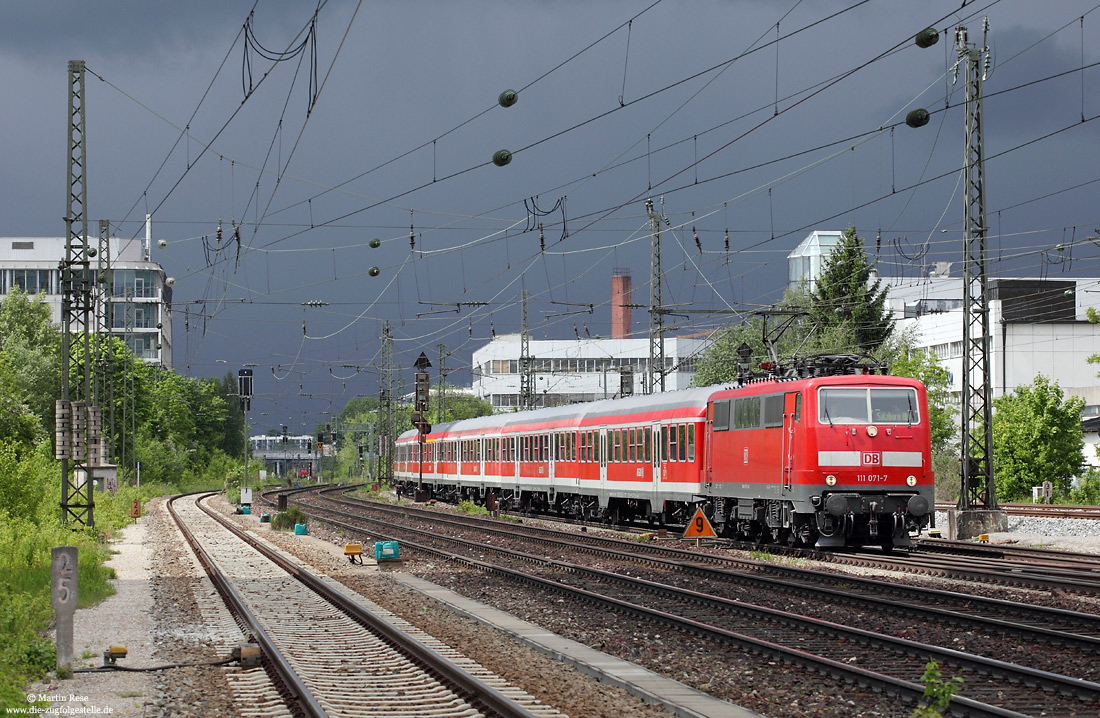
x: 128, y: 28
x: 1046, y: 105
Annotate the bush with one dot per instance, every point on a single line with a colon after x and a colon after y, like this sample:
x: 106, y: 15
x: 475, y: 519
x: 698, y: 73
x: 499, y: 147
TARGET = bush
x: 285, y: 520
x: 469, y: 507
x: 1086, y: 490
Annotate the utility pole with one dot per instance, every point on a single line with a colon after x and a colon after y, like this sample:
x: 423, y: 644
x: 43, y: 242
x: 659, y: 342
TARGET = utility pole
x: 977, y: 418
x: 656, y: 373
x: 526, y: 375
x: 72, y: 410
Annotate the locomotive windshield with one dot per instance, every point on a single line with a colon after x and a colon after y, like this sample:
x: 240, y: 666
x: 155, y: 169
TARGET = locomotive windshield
x: 868, y: 406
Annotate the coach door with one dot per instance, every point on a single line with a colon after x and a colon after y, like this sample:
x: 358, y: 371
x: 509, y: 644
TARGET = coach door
x: 792, y: 409
x: 603, y: 459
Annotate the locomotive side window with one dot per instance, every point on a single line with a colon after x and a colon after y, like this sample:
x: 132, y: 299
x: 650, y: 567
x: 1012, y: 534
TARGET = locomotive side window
x: 746, y: 413
x: 773, y: 410
x: 721, y: 417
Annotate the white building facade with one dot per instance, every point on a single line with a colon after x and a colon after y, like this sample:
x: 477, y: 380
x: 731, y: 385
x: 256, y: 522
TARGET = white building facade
x: 138, y: 306
x: 572, y: 371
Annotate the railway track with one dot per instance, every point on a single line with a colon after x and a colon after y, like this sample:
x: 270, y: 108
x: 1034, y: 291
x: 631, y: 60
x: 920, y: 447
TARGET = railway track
x: 993, y: 687
x: 330, y: 652
x: 1052, y: 511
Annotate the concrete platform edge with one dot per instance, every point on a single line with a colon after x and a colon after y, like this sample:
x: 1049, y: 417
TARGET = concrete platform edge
x: 686, y: 702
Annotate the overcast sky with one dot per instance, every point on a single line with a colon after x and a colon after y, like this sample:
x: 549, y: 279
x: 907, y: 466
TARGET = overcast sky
x: 619, y: 101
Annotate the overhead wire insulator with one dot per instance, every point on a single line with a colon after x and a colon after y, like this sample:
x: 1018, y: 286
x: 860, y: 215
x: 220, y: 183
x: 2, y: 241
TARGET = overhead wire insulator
x: 374, y: 271
x: 727, y: 240
x: 927, y: 38
x: 508, y: 98
x: 375, y: 243
x: 698, y: 244
x: 502, y: 157
x: 917, y: 118
x: 542, y: 239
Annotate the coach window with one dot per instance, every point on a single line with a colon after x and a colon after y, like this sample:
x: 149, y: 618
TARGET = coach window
x: 683, y: 443
x: 572, y: 446
x: 525, y: 449
x: 616, y: 446
x: 691, y: 442
x: 672, y: 443
x: 664, y: 443
x: 647, y: 438
x: 633, y: 449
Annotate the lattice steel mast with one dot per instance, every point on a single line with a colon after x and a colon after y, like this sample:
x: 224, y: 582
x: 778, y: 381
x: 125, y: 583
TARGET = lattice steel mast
x: 977, y: 392
x: 386, y: 412
x: 655, y: 373
x: 72, y: 438
x: 526, y: 375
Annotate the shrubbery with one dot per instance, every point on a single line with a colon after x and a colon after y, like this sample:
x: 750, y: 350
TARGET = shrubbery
x: 285, y: 520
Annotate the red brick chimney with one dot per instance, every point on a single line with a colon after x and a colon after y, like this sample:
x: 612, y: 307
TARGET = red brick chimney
x: 620, y: 296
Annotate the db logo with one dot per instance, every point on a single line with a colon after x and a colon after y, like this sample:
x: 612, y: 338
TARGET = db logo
x: 872, y: 458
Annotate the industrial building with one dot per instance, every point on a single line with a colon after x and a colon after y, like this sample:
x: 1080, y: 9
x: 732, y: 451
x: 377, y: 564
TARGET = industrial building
x: 566, y: 371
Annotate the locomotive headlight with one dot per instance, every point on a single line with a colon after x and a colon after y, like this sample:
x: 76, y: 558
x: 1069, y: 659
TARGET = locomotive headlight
x: 872, y: 431
x: 830, y: 480
x: 911, y: 480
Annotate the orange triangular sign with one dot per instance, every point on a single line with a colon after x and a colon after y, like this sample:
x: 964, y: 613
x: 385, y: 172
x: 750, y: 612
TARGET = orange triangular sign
x: 699, y: 527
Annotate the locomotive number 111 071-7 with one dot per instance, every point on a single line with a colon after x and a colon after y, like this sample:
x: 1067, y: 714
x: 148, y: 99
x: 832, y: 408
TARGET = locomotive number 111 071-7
x: 871, y: 478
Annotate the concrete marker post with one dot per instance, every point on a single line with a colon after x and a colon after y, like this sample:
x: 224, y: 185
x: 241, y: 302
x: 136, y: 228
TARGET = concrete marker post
x: 64, y: 579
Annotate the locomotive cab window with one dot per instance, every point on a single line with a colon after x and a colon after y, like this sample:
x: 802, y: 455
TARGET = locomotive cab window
x: 865, y: 406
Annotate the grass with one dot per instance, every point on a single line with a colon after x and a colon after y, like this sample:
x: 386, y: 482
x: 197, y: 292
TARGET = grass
x: 285, y: 520
x: 26, y: 614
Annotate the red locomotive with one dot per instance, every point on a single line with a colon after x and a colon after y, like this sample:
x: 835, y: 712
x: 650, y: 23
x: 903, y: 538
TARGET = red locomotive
x: 832, y: 454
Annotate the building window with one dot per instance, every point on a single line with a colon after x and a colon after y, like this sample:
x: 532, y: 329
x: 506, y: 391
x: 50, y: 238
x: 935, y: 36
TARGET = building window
x: 31, y: 281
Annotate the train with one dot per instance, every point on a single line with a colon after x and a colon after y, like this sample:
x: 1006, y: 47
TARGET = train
x: 827, y: 453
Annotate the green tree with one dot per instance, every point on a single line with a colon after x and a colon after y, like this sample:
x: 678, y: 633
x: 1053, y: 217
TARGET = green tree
x: 1036, y: 437
x: 923, y: 366
x: 845, y: 295
x: 29, y: 346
